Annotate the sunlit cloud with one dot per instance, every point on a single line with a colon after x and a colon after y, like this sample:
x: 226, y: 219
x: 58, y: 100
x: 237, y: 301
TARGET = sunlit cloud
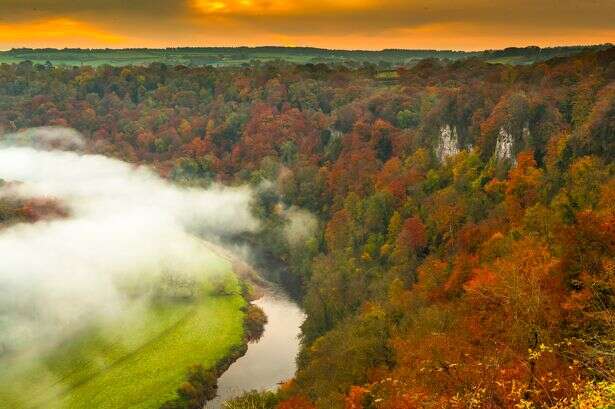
x: 208, y: 7
x: 373, y: 24
x: 57, y: 31
x: 279, y: 7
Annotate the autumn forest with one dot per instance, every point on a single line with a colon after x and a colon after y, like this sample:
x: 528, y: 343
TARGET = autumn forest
x: 461, y: 251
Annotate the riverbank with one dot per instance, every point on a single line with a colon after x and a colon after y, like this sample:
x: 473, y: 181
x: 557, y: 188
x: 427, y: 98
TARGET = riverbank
x: 143, y: 358
x: 138, y: 362
x: 271, y: 360
x: 137, y: 359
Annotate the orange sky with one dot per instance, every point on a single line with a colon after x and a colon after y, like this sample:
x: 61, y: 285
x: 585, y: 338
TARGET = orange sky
x: 362, y: 24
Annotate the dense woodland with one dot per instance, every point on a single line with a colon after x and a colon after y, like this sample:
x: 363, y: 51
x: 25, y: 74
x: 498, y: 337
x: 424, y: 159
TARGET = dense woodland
x: 236, y: 56
x: 464, y: 255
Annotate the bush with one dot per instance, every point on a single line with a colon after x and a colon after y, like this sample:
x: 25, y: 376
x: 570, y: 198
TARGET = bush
x: 201, y: 386
x: 223, y: 286
x: 594, y: 396
x: 254, y: 323
x: 253, y: 400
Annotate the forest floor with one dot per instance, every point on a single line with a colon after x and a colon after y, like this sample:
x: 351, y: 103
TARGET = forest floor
x: 136, y: 362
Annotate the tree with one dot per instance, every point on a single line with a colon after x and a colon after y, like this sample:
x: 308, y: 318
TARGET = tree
x: 523, y: 187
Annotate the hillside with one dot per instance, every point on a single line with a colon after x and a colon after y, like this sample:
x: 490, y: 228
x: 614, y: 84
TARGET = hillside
x: 457, y: 245
x: 137, y: 361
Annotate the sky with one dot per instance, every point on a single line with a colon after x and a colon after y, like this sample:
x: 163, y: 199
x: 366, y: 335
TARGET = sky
x: 342, y: 24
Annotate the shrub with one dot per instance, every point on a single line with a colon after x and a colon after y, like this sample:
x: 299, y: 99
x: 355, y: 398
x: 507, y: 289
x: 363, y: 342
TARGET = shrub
x: 253, y: 400
x: 254, y: 323
x: 201, y: 386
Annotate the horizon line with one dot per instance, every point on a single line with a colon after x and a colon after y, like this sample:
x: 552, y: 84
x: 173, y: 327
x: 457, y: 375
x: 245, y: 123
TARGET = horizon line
x: 213, y: 47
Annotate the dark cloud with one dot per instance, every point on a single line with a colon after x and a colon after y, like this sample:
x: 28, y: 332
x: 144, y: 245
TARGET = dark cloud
x: 247, y: 21
x: 394, y: 14
x: 101, y: 8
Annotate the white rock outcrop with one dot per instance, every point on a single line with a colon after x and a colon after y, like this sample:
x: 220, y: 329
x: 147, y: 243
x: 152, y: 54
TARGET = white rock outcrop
x: 504, y: 145
x: 448, y: 145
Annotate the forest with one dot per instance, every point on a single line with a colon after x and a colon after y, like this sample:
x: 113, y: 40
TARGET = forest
x: 236, y: 56
x: 463, y: 254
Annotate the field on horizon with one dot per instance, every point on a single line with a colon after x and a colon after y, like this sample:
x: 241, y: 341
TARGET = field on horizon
x: 225, y: 56
x: 136, y: 362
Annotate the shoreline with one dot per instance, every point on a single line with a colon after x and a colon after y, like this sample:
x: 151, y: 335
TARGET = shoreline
x: 272, y: 358
x: 252, y: 288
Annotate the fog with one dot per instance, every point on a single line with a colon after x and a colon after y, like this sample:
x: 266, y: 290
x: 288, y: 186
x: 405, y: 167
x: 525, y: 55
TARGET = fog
x: 301, y: 226
x: 126, y: 227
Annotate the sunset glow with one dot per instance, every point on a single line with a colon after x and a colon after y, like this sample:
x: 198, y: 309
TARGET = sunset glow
x: 366, y: 24
x: 42, y: 33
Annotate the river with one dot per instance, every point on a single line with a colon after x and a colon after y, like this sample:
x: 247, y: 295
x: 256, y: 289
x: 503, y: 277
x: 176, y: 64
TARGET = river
x: 271, y: 360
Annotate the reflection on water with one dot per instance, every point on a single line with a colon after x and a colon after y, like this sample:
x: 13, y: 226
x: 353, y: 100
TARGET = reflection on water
x: 272, y: 359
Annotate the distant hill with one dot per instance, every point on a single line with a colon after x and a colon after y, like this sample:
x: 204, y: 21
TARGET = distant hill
x: 236, y: 56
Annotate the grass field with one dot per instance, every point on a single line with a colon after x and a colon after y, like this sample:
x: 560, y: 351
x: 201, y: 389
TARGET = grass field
x: 224, y: 56
x: 136, y: 362
x: 144, y: 57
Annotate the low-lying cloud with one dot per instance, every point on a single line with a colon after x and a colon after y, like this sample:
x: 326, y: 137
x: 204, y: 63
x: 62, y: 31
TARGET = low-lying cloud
x: 301, y: 226
x: 126, y: 225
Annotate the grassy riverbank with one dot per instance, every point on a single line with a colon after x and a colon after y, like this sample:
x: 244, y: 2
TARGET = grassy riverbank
x: 136, y: 362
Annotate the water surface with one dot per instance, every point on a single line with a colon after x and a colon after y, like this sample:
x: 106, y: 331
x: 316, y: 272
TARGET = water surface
x: 272, y: 359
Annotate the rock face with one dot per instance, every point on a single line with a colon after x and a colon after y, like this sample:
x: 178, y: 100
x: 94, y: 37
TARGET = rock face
x: 504, y: 145
x: 448, y: 144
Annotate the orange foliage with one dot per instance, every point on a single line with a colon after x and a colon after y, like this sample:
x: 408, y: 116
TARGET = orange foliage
x: 296, y: 402
x: 354, y: 398
x: 196, y: 148
x: 523, y: 187
x: 463, y: 266
x: 355, y: 168
x: 587, y: 242
x: 481, y: 277
x: 391, y: 178
x: 337, y: 232
x: 38, y: 209
x: 413, y: 235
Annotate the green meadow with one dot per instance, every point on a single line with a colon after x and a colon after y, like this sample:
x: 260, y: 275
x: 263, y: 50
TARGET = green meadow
x: 197, y: 57
x: 137, y: 361
x: 236, y: 56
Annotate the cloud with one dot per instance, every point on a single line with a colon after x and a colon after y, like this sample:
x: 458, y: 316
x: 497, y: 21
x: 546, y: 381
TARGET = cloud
x: 127, y: 228
x: 57, y: 29
x: 336, y: 23
x: 301, y: 226
x: 344, y: 18
x: 32, y: 9
x: 46, y: 137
